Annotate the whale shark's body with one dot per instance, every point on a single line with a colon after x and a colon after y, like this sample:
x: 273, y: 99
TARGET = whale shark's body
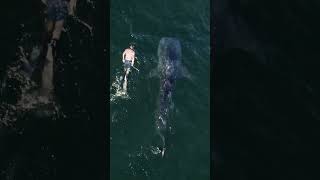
x: 169, y: 69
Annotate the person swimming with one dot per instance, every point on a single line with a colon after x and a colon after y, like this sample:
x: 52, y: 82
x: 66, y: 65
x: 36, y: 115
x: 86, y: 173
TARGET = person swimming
x: 57, y: 12
x: 128, y: 57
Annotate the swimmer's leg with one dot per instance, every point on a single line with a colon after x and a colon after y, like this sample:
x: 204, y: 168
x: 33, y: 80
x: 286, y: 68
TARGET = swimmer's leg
x: 46, y: 35
x: 125, y: 80
x: 47, y: 74
x: 58, y: 26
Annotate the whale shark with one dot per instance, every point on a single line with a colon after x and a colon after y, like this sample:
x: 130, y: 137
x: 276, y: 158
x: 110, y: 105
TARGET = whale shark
x: 169, y: 69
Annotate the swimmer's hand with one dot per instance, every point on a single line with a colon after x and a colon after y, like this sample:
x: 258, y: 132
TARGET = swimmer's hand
x: 123, y: 60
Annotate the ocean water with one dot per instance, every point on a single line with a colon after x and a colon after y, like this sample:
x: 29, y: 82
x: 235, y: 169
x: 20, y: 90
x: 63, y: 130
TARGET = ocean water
x: 132, y: 113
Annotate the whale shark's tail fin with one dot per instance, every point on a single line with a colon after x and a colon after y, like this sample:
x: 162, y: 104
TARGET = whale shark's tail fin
x: 160, y: 142
x: 163, y: 145
x: 163, y: 150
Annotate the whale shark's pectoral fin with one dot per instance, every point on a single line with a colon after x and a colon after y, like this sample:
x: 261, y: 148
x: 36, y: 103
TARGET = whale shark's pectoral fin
x: 154, y: 73
x: 184, y: 73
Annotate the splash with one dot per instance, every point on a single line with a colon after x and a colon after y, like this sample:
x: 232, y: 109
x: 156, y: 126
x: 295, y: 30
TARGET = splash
x: 155, y: 150
x: 140, y: 162
x: 20, y: 96
x: 117, y: 90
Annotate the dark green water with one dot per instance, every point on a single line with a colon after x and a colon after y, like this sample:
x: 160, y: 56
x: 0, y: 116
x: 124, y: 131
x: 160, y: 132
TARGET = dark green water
x: 132, y: 116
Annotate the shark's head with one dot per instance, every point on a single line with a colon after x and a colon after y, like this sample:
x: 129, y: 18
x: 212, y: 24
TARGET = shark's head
x: 169, y: 49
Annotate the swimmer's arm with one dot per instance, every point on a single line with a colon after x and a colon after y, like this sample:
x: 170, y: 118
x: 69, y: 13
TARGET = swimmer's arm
x: 123, y: 55
x: 134, y: 57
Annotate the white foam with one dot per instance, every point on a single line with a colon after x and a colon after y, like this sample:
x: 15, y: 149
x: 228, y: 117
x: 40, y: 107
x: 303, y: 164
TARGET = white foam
x: 120, y: 92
